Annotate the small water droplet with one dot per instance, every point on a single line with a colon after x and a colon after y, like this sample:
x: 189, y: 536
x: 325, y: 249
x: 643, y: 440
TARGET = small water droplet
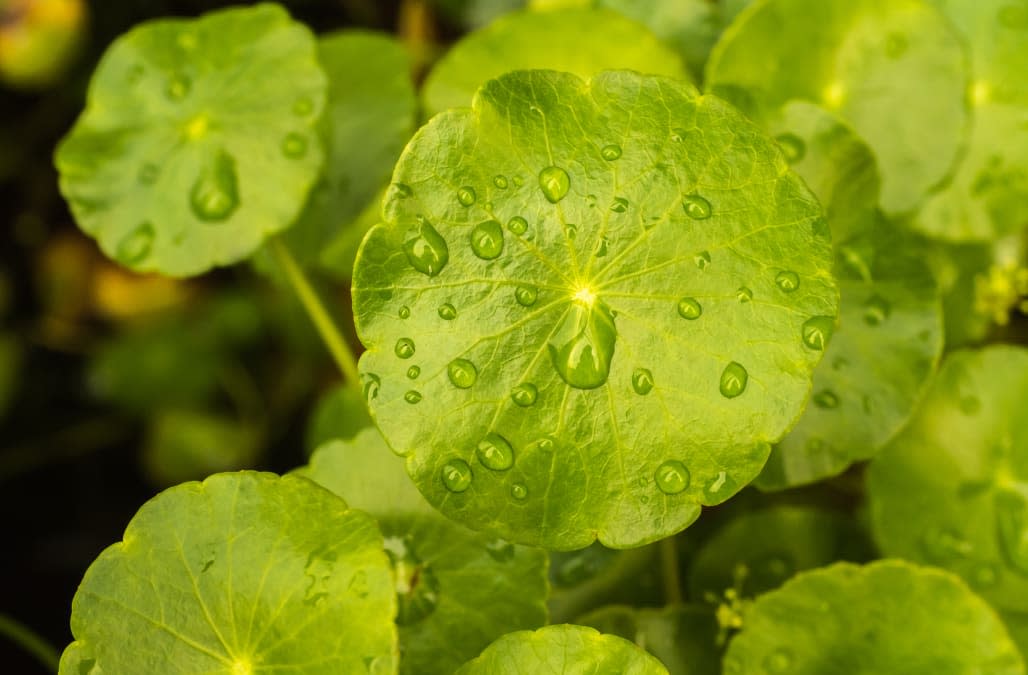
x: 371, y: 384
x: 517, y: 225
x: 178, y: 87
x: 787, y: 280
x: 525, y: 395
x: 792, y: 147
x: 518, y: 491
x: 743, y: 294
x: 215, y: 193
x: 895, y: 45
x: 733, y: 380
x: 671, y: 477
x: 495, y: 452
x: 970, y: 404
x: 779, y: 661
x: 303, y: 106
x: 501, y: 182
x: 294, y: 145
x: 554, y: 182
x: 602, y: 247
x: 413, y: 372
x: 148, y: 174
x: 702, y: 259
x: 642, y: 381
x: 526, y: 295
x: 402, y: 190
x: 135, y: 246
x: 457, y: 475
x: 826, y: 398
x: 462, y: 373
x: 677, y: 135
x: 876, y: 310
x: 689, y: 308
x: 611, y: 152
x: 412, y: 397
x: 817, y: 331
x: 719, y: 488
x: 404, y: 348
x: 619, y: 205
x: 487, y: 240
x: 696, y: 207
x: 466, y: 195
x: 447, y: 312
x: 426, y: 249
x: 404, y: 312
x: 582, y: 347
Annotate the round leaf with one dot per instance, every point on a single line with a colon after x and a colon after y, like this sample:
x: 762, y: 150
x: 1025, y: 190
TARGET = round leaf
x: 239, y: 574
x: 339, y: 415
x: 893, y: 68
x: 952, y: 489
x: 563, y: 649
x: 618, y: 351
x: 590, y: 40
x: 198, y: 139
x: 886, y: 618
x: 594, y: 576
x: 457, y: 590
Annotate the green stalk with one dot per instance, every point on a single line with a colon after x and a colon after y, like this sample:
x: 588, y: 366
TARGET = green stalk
x: 28, y: 640
x: 669, y: 571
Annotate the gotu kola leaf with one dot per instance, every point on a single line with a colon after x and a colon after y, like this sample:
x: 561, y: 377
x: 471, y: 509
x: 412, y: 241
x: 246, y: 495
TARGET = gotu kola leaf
x: 240, y: 574
x: 887, y: 618
x: 571, y: 314
x: 198, y: 139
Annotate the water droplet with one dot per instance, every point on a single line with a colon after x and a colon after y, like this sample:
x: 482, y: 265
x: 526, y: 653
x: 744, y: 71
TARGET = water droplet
x: 526, y: 295
x: 404, y: 348
x: 554, y: 182
x: 178, y: 87
x: 1012, y: 522
x: 743, y: 294
x: 826, y: 398
x: 457, y: 475
x: 583, y: 344
x: 412, y: 397
x: 294, y: 145
x: 779, y: 661
x: 601, y: 248
x: 501, y: 182
x: 462, y: 373
x: 487, y: 240
x: 447, y: 312
x: 303, y: 106
x: 619, y: 205
x: 733, y: 380
x: 611, y: 152
x: 570, y: 231
x: 671, y: 477
x: 942, y: 545
x: 876, y: 310
x: 677, y: 135
x: 370, y: 383
x: 495, y: 452
x: 525, y: 395
x: 719, y: 488
x: 518, y: 491
x: 148, y: 174
x: 517, y: 225
x: 413, y: 372
x: 817, y: 331
x: 702, y: 259
x: 787, y: 280
x: 215, y: 194
x: 689, y: 308
x: 970, y: 404
x: 895, y: 45
x: 426, y: 249
x: 696, y: 207
x: 792, y: 147
x: 135, y: 246
x: 642, y: 381
x: 402, y: 190
x: 466, y: 195
x: 404, y: 312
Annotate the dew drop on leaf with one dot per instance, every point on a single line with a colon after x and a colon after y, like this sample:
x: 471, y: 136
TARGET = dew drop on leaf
x: 466, y: 195
x: 404, y: 312
x: 525, y: 395
x: 462, y: 373
x: 733, y: 380
x: 413, y: 372
x: 743, y: 294
x: 371, y: 384
x: 554, y: 182
x: 677, y: 135
x: 602, y: 247
x: 611, y: 152
x: 456, y: 475
x: 571, y: 231
x: 619, y: 205
x: 526, y: 295
x: 689, y: 308
x: 583, y: 344
x: 696, y: 207
x: 702, y: 259
x: 817, y: 331
x: 501, y: 182
x: 404, y: 348
x: 412, y: 397
x: 787, y: 280
x: 518, y: 491
x: 487, y: 240
x: 426, y: 249
x: 294, y: 146
x: 827, y: 399
x: 517, y: 225
x: 642, y: 381
x: 671, y: 477
x: 495, y: 452
x: 500, y: 550
x: 719, y: 487
x: 402, y: 190
x: 447, y: 312
x: 876, y: 310
x: 792, y: 147
x: 135, y: 246
x: 215, y: 193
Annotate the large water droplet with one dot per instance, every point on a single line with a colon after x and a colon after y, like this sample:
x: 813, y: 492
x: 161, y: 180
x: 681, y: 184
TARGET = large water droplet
x: 689, y: 308
x: 817, y: 331
x: 135, y: 246
x: 462, y: 373
x: 611, y: 152
x: 554, y: 182
x: 779, y: 661
x: 466, y: 195
x: 495, y: 452
x: 787, y: 280
x: 517, y: 225
x: 642, y: 381
x: 370, y: 383
x: 792, y: 147
x: 457, y: 475
x: 1012, y: 524
x: 733, y: 380
x: 583, y: 344
x: 619, y: 205
x: 671, y: 477
x: 518, y: 491
x: 702, y: 259
x: 215, y: 193
x: 412, y: 397
x: 696, y: 207
x: 413, y: 372
x: 426, y: 249
x: 404, y: 348
x: 501, y: 182
x: 826, y: 398
x: 526, y: 295
x: 447, y: 312
x: 294, y: 146
x: 525, y: 395
x: 876, y: 310
x: 743, y: 294
x: 487, y: 240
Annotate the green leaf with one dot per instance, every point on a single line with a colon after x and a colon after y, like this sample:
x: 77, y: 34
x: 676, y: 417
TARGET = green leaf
x: 988, y: 195
x: 952, y: 488
x: 886, y: 618
x: 369, y: 116
x: 621, y: 343
x: 575, y: 650
x: 893, y: 68
x: 590, y: 40
x: 198, y: 140
x: 340, y: 415
x: 457, y: 590
x: 763, y: 548
x: 594, y: 576
x: 684, y: 638
x: 240, y: 574
x: 186, y: 445
x: 1017, y: 625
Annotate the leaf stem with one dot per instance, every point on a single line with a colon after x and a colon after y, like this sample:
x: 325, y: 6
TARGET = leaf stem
x: 30, y: 641
x: 330, y: 334
x: 669, y: 571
